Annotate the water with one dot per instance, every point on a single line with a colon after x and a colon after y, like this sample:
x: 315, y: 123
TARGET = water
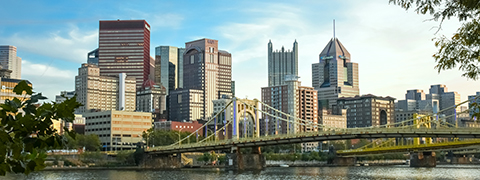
x: 301, y: 173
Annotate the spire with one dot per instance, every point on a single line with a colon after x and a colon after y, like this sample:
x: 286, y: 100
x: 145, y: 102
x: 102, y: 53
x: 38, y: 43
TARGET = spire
x: 334, y: 29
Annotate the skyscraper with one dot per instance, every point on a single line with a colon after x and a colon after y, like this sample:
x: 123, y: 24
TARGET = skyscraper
x: 92, y: 57
x: 9, y: 60
x: 169, y: 67
x: 124, y: 47
x: 335, y: 75
x: 281, y: 63
x: 207, y: 69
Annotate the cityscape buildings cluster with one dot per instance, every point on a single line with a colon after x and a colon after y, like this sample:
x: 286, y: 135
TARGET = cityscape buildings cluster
x: 125, y: 91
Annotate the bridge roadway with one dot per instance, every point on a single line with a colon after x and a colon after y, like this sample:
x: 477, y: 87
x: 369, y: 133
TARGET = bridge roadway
x: 339, y: 134
x: 407, y: 148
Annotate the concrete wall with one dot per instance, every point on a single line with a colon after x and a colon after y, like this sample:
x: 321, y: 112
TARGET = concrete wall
x: 237, y: 161
x: 423, y: 159
x: 161, y: 161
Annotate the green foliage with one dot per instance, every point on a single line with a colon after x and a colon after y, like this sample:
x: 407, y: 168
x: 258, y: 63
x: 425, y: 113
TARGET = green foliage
x: 208, y: 157
x: 92, y: 157
x: 462, y: 49
x: 126, y: 157
x: 25, y: 137
x: 91, y: 142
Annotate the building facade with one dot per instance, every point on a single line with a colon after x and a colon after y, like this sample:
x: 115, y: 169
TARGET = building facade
x: 169, y: 67
x: 9, y: 60
x: 208, y: 70
x: 186, y: 105
x: 281, y: 63
x: 474, y: 99
x: 103, y: 92
x: 92, y: 57
x: 63, y: 96
x: 152, y: 98
x: 335, y: 75
x: 124, y: 47
x: 367, y: 110
x: 293, y: 99
x: 7, y: 86
x: 117, y: 130
x: 439, y: 99
x: 307, y: 108
x: 190, y: 126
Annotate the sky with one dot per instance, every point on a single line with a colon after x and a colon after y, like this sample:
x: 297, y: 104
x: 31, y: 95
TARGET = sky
x: 392, y: 46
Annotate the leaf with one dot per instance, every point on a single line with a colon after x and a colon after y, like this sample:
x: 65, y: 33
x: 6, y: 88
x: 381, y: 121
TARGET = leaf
x: 22, y: 86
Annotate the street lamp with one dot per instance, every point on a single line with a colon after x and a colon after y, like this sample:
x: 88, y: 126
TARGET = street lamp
x: 179, y: 142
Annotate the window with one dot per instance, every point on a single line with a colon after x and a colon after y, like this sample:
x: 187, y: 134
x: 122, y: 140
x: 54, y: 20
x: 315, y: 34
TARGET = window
x: 192, y: 59
x: 211, y: 58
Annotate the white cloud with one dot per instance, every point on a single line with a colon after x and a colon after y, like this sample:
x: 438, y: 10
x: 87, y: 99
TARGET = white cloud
x: 71, y: 45
x: 393, y: 47
x: 47, y: 79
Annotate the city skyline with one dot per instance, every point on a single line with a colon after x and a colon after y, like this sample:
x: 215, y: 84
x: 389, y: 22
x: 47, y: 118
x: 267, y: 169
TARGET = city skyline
x: 53, y: 44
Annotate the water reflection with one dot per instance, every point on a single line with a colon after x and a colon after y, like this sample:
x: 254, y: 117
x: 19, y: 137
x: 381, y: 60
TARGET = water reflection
x: 371, y: 172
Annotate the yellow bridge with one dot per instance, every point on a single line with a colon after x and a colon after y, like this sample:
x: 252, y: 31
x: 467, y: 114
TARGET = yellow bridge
x: 426, y: 132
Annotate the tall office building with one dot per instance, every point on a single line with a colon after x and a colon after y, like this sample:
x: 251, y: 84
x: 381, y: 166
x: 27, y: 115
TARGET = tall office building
x: 415, y: 94
x: 281, y: 63
x: 207, y: 69
x: 9, y: 60
x: 92, y: 57
x: 169, y: 67
x: 124, y: 47
x: 438, y: 99
x: 103, y: 92
x: 293, y: 99
x: 335, y: 75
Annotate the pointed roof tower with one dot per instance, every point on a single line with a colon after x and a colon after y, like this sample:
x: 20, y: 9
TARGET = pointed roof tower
x: 335, y: 49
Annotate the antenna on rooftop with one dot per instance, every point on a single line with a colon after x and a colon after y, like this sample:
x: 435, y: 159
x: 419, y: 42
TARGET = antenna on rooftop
x: 333, y: 29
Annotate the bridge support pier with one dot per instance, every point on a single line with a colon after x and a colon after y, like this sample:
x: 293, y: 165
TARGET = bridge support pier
x: 423, y: 159
x: 344, y: 161
x: 161, y: 161
x: 238, y: 161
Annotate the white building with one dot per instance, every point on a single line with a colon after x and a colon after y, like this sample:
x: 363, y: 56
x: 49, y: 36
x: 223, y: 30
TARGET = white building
x: 9, y: 60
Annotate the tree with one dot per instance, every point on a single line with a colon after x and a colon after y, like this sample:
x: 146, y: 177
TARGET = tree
x: 462, y: 49
x: 91, y: 142
x: 26, y: 131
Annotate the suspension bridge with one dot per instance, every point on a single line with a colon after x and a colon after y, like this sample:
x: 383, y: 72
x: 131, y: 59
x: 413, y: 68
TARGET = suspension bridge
x: 240, y: 122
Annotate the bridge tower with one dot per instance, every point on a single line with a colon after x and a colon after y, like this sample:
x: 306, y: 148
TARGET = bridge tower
x: 244, y: 109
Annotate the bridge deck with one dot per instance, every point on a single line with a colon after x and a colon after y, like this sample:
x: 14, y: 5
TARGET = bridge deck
x: 342, y: 134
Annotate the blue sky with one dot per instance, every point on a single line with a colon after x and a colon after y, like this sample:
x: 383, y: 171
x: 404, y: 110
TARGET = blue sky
x: 392, y: 46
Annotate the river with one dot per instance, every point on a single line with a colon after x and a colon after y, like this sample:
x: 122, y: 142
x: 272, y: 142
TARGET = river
x: 370, y: 172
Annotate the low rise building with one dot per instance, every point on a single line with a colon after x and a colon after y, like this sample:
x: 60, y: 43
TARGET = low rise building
x: 6, y: 91
x: 190, y: 126
x: 367, y: 110
x: 117, y: 130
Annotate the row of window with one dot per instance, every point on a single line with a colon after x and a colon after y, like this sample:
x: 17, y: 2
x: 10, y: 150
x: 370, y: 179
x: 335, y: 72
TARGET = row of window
x: 97, y: 129
x: 96, y: 117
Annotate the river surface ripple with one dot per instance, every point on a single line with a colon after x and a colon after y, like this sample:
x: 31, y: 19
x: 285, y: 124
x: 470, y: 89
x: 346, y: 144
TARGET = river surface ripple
x: 370, y: 172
